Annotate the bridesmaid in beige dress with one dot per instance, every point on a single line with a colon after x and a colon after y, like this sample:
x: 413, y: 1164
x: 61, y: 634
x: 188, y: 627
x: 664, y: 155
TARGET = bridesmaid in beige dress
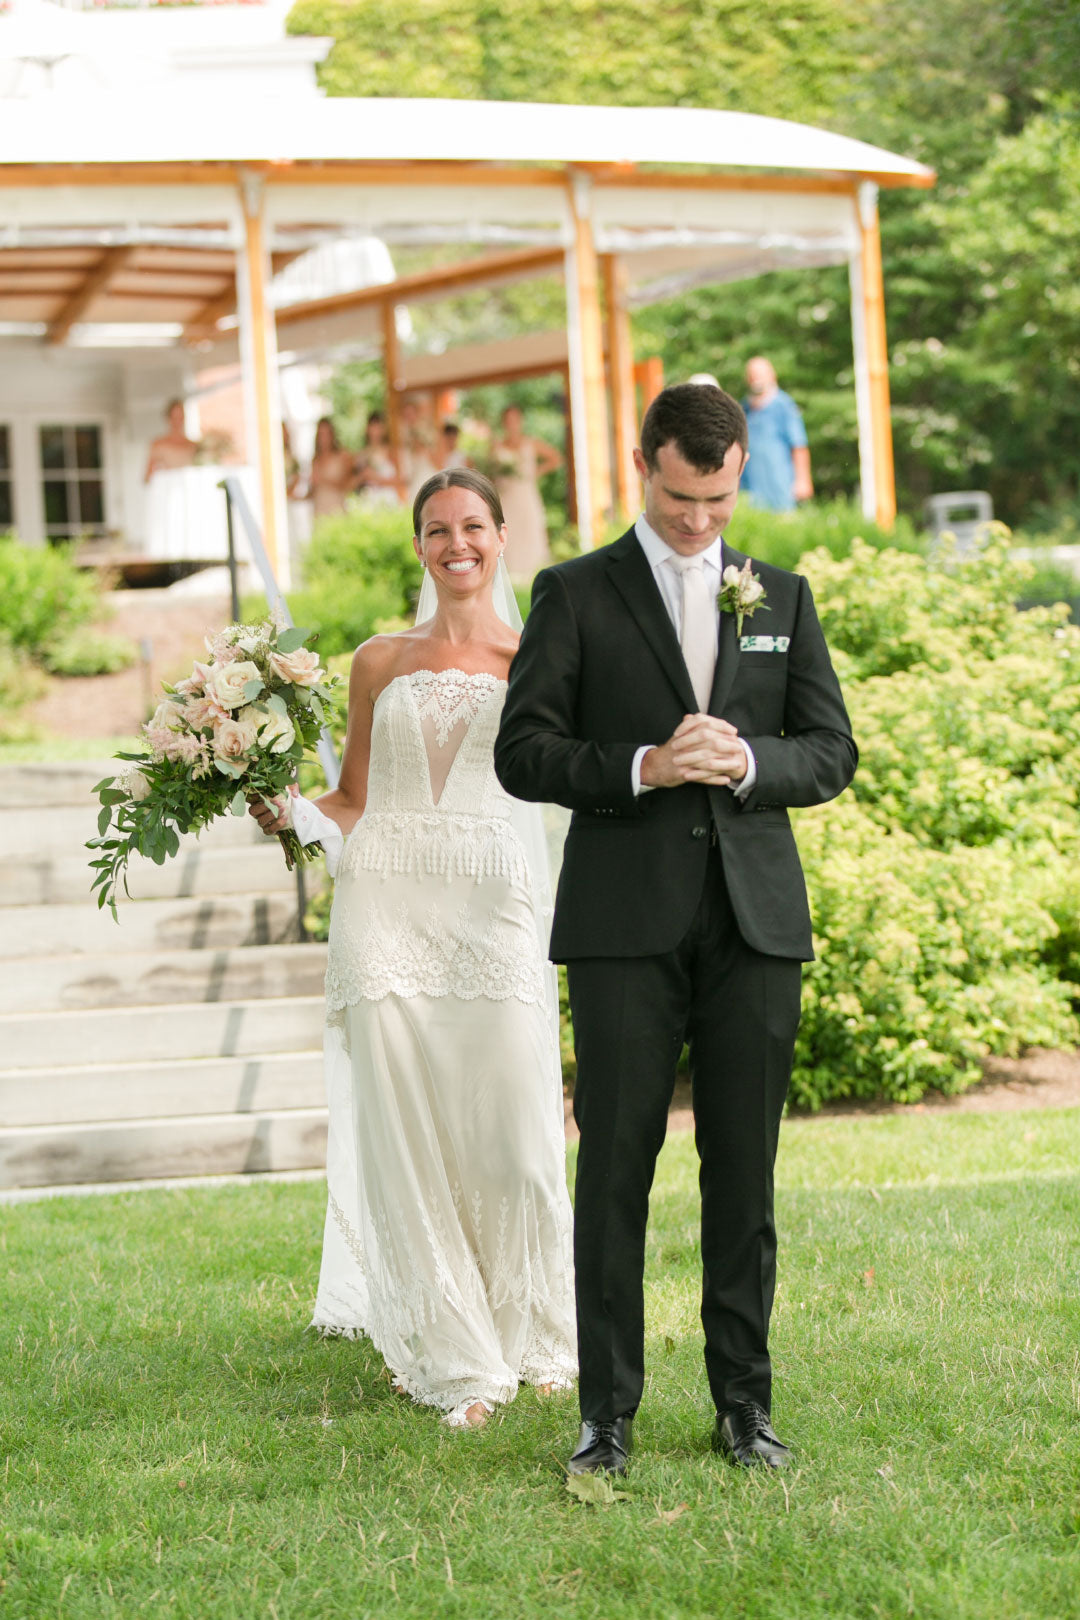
x: 333, y: 471
x: 526, y: 460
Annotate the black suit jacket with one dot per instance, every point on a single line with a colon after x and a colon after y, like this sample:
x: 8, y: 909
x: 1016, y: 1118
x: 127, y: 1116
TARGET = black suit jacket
x: 598, y: 674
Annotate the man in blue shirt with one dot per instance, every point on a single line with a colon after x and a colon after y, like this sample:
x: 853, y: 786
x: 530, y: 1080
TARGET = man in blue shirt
x: 777, y: 471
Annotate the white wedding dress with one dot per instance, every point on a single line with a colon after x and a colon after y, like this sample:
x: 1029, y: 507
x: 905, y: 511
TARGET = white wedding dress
x: 448, y: 1231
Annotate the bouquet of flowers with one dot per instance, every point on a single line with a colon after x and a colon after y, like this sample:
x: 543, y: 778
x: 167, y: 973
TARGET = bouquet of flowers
x: 233, y: 732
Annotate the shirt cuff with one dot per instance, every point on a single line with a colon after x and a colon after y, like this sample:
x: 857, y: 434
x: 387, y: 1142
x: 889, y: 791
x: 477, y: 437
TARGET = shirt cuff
x: 312, y: 826
x: 746, y: 786
x: 636, y: 783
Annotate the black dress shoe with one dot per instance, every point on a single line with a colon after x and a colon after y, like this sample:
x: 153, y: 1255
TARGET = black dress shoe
x: 604, y: 1445
x: 744, y: 1435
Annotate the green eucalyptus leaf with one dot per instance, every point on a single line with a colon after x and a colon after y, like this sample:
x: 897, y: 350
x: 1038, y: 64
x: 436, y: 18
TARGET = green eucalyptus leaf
x: 289, y: 640
x: 238, y: 803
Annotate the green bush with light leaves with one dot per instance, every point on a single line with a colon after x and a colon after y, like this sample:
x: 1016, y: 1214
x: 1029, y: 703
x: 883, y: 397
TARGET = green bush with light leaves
x: 944, y: 884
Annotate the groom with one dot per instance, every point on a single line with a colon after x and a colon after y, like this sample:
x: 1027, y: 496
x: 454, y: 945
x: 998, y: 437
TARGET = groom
x: 679, y: 738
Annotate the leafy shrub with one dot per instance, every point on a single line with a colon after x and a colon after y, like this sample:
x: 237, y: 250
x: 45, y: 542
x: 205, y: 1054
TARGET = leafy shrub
x: 360, y: 575
x: 20, y: 683
x: 781, y: 538
x: 42, y: 594
x: 944, y: 887
x: 88, y: 652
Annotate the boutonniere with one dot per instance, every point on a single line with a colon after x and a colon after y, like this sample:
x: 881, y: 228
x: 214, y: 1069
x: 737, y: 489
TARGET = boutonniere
x: 741, y: 593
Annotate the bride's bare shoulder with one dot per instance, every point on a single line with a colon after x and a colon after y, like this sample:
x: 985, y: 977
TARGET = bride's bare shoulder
x: 376, y: 662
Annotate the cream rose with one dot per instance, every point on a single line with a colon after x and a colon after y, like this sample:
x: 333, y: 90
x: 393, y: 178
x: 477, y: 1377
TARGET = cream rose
x: 276, y: 731
x: 234, y: 739
x: 751, y: 591
x: 226, y: 686
x: 135, y: 785
x: 168, y: 716
x: 300, y: 667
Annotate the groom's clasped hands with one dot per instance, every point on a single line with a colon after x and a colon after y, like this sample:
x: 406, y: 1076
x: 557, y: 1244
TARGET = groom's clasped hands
x: 701, y: 749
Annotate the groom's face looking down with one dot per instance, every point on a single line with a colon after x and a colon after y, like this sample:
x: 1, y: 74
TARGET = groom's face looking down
x: 693, y: 451
x: 686, y: 507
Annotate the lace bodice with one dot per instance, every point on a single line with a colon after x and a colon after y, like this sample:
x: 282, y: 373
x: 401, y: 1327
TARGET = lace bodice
x: 432, y: 739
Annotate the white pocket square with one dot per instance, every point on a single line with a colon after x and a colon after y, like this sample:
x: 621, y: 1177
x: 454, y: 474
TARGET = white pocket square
x: 778, y: 644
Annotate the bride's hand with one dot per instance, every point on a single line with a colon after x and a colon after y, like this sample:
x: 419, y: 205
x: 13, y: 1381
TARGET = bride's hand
x: 271, y: 824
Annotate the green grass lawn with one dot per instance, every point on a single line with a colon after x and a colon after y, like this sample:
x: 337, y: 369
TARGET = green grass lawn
x: 65, y: 748
x: 172, y: 1442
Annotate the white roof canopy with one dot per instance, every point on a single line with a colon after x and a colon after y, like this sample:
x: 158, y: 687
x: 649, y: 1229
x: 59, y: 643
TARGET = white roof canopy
x: 92, y: 129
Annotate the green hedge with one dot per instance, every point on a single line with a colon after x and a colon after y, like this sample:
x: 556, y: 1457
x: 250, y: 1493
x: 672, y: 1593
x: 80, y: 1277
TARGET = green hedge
x: 944, y: 885
x: 43, y: 596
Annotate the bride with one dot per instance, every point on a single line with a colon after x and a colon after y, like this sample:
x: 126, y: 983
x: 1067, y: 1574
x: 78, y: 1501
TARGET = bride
x: 447, y: 1237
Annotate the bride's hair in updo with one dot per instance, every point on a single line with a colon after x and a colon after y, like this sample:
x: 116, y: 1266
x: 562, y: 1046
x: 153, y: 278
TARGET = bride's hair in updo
x: 458, y: 478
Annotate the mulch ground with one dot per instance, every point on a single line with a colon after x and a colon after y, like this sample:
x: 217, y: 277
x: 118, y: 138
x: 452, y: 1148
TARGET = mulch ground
x: 1039, y: 1079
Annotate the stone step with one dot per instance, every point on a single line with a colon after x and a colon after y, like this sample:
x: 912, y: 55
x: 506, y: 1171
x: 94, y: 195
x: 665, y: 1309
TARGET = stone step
x: 182, y: 1030
x: 214, y: 922
x: 195, y: 1145
x: 139, y: 978
x: 53, y: 781
x: 63, y: 878
x: 52, y: 829
x: 142, y: 1091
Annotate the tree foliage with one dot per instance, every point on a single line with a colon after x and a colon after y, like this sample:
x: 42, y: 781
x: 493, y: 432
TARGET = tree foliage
x: 981, y: 302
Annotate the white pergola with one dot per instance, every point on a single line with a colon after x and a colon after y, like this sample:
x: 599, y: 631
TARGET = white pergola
x: 123, y: 209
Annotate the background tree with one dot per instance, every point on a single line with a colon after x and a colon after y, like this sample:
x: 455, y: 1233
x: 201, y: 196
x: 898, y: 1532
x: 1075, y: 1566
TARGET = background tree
x: 981, y: 305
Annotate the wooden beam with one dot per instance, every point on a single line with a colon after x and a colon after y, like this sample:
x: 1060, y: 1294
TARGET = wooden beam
x: 263, y: 351
x: 586, y: 343
x: 392, y: 173
x: 611, y: 175
x: 649, y: 377
x: 877, y: 358
x: 392, y: 371
x: 110, y: 264
x: 203, y: 323
x: 568, y: 440
x: 441, y: 282
x: 620, y: 353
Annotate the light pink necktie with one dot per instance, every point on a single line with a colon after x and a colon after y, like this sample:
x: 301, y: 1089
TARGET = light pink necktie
x: 698, y: 638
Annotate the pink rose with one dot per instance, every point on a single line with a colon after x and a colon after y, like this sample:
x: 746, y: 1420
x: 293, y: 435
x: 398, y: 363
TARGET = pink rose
x: 300, y: 667
x: 200, y: 712
x: 196, y: 681
x: 234, y: 739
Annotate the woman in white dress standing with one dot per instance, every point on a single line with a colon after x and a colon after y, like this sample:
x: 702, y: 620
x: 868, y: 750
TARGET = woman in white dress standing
x: 448, y: 1232
x: 522, y: 461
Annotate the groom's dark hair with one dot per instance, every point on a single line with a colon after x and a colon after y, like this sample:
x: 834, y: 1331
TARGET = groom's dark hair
x: 701, y: 421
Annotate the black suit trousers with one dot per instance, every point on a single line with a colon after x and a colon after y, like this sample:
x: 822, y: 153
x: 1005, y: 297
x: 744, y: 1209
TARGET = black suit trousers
x: 739, y: 1012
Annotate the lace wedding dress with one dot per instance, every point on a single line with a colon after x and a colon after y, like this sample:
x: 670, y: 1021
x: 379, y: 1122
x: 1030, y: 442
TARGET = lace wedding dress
x: 448, y: 1231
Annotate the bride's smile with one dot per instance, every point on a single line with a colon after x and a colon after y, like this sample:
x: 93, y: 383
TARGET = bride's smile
x: 459, y: 543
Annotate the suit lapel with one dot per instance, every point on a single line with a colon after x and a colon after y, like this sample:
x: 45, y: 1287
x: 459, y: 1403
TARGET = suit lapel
x: 727, y: 650
x: 632, y: 577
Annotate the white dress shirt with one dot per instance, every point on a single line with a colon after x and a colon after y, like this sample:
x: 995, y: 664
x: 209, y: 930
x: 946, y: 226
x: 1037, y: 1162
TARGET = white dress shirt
x: 669, y: 584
